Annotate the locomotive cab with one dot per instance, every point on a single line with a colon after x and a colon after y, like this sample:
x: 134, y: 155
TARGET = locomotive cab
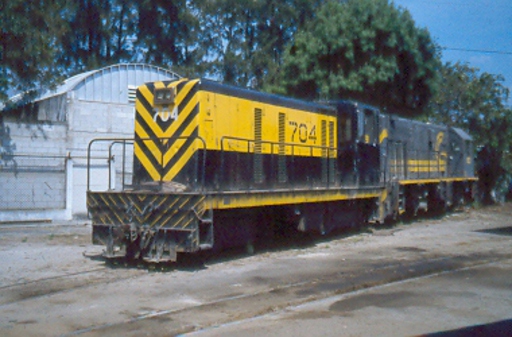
x: 461, y: 153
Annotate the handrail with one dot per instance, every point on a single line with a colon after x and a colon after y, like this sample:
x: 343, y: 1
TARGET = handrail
x: 111, y: 158
x: 89, y: 157
x: 275, y: 146
x: 132, y: 141
x: 272, y: 143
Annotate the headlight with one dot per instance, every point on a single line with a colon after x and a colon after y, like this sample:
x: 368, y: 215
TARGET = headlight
x: 164, y: 96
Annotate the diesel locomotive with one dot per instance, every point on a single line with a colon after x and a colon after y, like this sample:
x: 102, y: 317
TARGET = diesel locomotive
x: 216, y: 166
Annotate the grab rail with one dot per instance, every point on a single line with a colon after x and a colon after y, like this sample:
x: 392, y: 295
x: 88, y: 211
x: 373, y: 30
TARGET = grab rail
x: 111, y: 142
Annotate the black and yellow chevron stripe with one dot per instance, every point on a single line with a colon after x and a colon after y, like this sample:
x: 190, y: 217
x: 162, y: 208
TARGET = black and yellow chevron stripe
x: 165, y: 142
x: 157, y: 211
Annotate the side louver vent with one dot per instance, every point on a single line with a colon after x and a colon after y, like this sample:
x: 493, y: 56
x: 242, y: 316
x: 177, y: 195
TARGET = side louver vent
x: 258, y: 156
x: 282, y: 176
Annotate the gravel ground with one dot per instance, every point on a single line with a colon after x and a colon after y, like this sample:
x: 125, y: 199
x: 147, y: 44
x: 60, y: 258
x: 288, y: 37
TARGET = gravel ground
x: 54, y: 282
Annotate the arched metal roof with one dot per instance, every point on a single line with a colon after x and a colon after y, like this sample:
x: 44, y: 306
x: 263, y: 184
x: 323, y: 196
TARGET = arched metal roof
x: 111, y: 84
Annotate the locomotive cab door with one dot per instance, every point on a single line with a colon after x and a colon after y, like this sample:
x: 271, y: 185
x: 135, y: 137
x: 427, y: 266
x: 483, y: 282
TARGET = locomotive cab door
x: 347, y: 135
x: 368, y: 146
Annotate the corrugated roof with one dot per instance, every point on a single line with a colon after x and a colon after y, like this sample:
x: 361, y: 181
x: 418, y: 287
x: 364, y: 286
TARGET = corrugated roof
x: 68, y: 85
x: 108, y: 84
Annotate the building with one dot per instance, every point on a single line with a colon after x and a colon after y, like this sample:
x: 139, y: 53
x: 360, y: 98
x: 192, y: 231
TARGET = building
x: 43, y: 143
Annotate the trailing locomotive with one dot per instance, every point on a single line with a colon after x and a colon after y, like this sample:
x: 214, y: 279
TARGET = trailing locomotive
x: 216, y: 166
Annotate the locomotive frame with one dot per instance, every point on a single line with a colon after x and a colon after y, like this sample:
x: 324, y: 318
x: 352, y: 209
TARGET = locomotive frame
x: 217, y: 166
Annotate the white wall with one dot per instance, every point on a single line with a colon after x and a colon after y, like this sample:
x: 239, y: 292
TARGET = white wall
x: 87, y: 121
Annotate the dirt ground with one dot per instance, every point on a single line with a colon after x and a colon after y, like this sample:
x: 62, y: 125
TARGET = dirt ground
x: 54, y: 282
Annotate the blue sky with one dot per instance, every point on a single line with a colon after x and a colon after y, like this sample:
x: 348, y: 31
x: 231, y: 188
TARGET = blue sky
x: 484, y: 25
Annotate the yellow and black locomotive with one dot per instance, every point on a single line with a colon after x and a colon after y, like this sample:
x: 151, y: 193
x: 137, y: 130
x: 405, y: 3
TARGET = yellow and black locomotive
x: 216, y: 166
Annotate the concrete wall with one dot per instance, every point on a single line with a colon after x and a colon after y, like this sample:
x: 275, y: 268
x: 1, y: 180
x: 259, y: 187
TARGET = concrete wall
x: 43, y: 145
x: 44, y: 156
x: 90, y: 120
x: 32, y: 166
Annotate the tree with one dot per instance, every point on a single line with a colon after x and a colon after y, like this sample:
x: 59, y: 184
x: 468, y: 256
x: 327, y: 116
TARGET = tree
x: 246, y: 40
x: 167, y: 33
x: 226, y: 30
x: 99, y: 34
x: 477, y: 102
x: 279, y: 21
x: 366, y: 50
x: 30, y: 33
x: 236, y: 42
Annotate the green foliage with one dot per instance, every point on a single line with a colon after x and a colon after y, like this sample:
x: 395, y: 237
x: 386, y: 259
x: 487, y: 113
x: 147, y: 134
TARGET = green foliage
x: 477, y: 102
x: 474, y: 101
x: 366, y: 50
x: 30, y: 31
x: 245, y: 40
x: 160, y: 32
x: 167, y: 33
x: 97, y: 34
x: 230, y: 40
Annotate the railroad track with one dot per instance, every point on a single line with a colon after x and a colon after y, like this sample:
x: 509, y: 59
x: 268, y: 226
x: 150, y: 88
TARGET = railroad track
x: 61, y: 283
x: 227, y: 309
